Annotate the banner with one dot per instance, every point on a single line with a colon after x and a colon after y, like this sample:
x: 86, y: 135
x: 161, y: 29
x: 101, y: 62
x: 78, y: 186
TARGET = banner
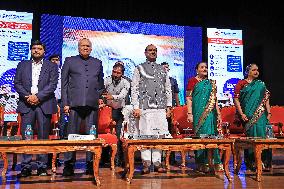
x: 15, y: 39
x: 225, y: 61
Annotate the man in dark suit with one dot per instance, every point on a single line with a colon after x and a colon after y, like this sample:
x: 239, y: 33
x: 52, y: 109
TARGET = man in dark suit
x: 82, y: 84
x: 36, y: 81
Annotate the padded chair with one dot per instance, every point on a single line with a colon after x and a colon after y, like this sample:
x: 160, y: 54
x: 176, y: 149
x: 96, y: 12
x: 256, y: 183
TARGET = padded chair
x: 55, y: 118
x: 277, y: 119
x: 106, y: 131
x: 2, y: 120
x: 12, y: 129
x: 181, y: 128
x: 231, y: 127
x: 230, y: 123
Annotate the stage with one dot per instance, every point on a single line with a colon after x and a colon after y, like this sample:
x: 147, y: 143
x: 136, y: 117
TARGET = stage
x: 175, y: 178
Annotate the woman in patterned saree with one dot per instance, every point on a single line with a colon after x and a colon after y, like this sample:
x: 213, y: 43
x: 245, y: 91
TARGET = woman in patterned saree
x: 203, y: 111
x: 252, y: 102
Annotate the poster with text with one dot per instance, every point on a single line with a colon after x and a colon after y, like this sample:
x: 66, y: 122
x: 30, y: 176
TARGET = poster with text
x: 15, y: 38
x: 225, y: 60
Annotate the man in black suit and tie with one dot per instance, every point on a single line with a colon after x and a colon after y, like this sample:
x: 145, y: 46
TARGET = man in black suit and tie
x: 82, y: 84
x: 36, y: 81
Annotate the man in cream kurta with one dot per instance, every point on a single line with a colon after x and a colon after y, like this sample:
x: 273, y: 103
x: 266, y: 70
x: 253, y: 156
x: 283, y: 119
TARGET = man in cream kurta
x: 151, y: 98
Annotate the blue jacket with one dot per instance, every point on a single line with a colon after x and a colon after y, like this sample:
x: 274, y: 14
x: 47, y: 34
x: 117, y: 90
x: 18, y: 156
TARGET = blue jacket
x: 81, y: 81
x: 47, y: 84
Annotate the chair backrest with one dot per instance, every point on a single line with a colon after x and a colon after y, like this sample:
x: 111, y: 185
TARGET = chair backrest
x: 179, y: 121
x: 2, y: 119
x: 56, y: 116
x: 19, y: 122
x: 105, y: 122
x: 228, y: 114
x: 277, y: 117
x: 2, y: 109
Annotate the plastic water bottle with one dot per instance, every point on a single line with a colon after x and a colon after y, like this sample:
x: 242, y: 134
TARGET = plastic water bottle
x: 93, y: 131
x: 269, y: 131
x: 66, y: 117
x: 29, y: 132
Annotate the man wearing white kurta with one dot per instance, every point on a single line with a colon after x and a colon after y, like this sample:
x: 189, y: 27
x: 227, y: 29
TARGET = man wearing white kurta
x: 151, y: 97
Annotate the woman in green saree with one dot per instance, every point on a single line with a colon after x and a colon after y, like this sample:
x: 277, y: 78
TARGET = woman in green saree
x: 204, y: 112
x: 252, y: 102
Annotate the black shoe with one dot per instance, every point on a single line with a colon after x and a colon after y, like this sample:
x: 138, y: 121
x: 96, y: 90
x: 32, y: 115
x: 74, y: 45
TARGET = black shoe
x: 146, y: 167
x: 68, y: 171
x: 41, y: 172
x: 90, y: 170
x: 118, y: 163
x: 159, y: 168
x: 25, y: 173
x: 58, y: 163
x: 145, y: 170
x: 251, y: 167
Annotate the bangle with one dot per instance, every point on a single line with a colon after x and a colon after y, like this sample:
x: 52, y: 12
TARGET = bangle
x: 270, y: 113
x: 189, y: 113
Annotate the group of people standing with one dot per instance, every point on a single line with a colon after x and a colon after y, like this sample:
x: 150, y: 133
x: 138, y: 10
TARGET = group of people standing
x: 153, y: 93
x: 251, y: 100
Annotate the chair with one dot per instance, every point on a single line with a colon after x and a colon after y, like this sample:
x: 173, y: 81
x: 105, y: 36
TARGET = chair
x: 2, y: 119
x: 55, y: 118
x: 12, y: 129
x: 181, y: 128
x: 277, y: 119
x: 230, y: 124
x: 106, y: 131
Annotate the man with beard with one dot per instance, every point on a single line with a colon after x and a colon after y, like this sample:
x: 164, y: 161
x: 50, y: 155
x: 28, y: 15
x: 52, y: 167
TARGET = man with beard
x: 117, y: 88
x: 35, y: 81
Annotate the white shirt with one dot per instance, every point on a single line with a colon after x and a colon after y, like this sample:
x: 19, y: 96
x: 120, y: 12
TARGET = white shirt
x: 36, y: 68
x: 119, y: 92
x: 57, y: 91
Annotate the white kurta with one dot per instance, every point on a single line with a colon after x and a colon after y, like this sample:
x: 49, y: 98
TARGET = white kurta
x: 152, y: 121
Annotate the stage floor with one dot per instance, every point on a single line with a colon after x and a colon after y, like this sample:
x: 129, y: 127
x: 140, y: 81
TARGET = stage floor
x: 176, y: 178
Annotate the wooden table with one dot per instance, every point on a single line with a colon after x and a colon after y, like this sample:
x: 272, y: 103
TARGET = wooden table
x: 130, y: 146
x: 54, y: 147
x: 257, y: 145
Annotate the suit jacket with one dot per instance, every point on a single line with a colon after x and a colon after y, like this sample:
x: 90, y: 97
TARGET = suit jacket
x: 81, y: 81
x: 175, y: 89
x: 46, y: 86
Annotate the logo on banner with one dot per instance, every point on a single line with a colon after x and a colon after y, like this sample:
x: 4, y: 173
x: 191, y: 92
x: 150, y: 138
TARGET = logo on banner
x: 229, y: 86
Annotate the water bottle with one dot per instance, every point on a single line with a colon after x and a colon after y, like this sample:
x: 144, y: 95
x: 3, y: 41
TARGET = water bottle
x: 269, y: 131
x: 29, y: 132
x: 93, y: 131
x: 66, y: 117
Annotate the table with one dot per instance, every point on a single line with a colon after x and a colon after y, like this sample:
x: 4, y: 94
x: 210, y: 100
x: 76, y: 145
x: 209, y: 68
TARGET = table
x: 257, y: 145
x: 130, y: 146
x: 54, y: 147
